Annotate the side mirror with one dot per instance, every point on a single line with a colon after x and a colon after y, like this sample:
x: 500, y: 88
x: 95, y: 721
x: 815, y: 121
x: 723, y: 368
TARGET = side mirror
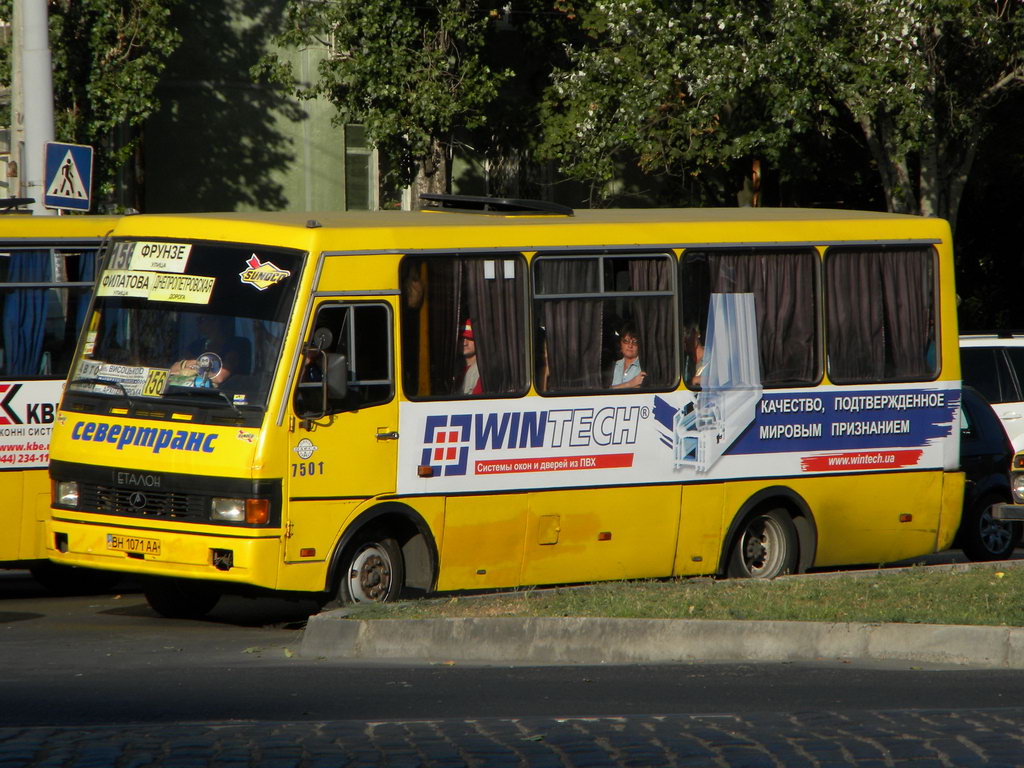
x: 336, y: 376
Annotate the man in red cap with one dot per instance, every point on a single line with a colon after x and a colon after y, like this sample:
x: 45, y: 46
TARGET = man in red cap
x: 471, y: 384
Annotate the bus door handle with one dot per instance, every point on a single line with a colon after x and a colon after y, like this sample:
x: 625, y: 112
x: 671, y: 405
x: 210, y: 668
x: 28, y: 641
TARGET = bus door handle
x: 382, y: 435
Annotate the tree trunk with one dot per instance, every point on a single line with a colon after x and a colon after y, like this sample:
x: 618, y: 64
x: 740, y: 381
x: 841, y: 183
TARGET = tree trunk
x: 433, y: 172
x: 899, y: 189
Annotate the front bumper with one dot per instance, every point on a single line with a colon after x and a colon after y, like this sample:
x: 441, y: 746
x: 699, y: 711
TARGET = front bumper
x: 1009, y: 512
x: 242, y: 558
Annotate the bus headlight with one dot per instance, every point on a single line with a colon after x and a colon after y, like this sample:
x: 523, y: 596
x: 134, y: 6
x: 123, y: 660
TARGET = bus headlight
x: 1017, y: 484
x: 228, y: 510
x: 65, y: 493
x: 252, y: 511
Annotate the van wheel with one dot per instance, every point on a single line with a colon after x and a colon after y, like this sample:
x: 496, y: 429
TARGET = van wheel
x: 181, y: 599
x: 372, y: 570
x: 766, y: 547
x: 985, y: 538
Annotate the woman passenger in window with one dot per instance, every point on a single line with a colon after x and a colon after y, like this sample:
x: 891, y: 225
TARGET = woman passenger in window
x: 627, y: 373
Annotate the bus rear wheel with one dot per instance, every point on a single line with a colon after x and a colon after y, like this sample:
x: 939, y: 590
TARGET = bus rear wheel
x: 766, y: 546
x: 181, y: 599
x: 372, y: 571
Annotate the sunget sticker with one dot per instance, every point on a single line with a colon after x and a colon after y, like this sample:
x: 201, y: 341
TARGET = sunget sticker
x: 262, y: 274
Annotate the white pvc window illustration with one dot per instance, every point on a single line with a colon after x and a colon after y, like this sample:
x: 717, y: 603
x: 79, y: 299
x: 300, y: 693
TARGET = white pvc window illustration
x: 730, y: 384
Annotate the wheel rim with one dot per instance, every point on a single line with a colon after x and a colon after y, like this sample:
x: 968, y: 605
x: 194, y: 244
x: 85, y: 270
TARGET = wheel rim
x: 763, y: 547
x: 369, y: 577
x: 995, y: 534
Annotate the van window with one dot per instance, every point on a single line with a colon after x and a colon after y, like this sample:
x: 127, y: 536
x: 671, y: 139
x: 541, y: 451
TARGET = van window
x: 985, y: 369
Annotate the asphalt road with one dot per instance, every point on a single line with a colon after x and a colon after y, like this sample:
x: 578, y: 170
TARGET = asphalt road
x: 104, y: 681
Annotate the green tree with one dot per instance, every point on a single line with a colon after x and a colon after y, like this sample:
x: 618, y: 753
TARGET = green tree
x: 107, y: 60
x: 410, y: 72
x: 920, y: 77
x: 672, y: 87
x: 690, y: 89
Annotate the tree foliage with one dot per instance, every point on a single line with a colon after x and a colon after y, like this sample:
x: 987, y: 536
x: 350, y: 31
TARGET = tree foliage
x: 411, y: 72
x: 689, y: 88
x: 107, y: 59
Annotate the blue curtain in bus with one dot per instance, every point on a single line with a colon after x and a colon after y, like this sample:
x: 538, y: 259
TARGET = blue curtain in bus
x: 25, y: 312
x: 88, y: 275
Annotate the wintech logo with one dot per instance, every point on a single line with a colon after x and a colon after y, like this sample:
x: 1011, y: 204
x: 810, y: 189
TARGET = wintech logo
x: 449, y: 439
x: 446, y: 444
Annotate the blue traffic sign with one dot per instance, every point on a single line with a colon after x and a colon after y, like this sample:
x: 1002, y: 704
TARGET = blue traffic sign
x: 68, y: 176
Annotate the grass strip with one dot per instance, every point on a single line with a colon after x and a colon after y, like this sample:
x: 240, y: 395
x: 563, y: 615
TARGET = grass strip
x: 979, y: 594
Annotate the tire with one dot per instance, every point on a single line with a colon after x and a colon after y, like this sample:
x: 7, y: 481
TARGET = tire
x: 71, y: 580
x: 765, y: 546
x: 984, y: 538
x: 180, y: 599
x: 372, y: 571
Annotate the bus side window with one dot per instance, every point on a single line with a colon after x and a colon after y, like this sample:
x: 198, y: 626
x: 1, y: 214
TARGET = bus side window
x: 463, y: 326
x: 584, y: 304
x: 784, y: 283
x: 881, y: 314
x: 356, y: 336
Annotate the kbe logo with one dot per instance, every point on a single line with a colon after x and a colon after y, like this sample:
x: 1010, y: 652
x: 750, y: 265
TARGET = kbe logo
x: 34, y: 413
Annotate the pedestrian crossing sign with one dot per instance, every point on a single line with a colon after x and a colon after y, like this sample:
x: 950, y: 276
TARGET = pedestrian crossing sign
x: 68, y: 176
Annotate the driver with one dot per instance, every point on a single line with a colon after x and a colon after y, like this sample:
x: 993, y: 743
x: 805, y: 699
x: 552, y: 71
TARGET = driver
x: 215, y: 355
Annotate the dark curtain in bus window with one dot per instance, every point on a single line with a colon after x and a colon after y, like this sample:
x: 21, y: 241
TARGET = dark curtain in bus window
x: 880, y: 315
x: 784, y: 299
x: 909, y: 306
x: 496, y: 306
x: 25, y: 313
x: 654, y: 320
x: 440, y: 348
x: 573, y: 327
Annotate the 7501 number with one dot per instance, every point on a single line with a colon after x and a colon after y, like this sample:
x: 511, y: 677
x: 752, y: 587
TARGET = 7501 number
x: 307, y: 468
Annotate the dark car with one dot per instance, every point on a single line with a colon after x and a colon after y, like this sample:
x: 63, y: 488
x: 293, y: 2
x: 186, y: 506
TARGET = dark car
x: 985, y: 456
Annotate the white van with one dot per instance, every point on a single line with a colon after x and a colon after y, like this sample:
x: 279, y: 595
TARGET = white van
x: 993, y: 363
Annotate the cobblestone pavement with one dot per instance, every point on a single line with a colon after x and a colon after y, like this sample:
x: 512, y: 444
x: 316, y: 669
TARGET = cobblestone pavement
x: 919, y: 738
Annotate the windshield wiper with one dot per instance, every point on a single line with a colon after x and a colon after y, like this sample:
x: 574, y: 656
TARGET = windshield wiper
x: 174, y: 391
x: 105, y: 383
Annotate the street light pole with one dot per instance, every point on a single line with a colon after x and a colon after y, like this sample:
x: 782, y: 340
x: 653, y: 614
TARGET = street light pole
x: 36, y: 82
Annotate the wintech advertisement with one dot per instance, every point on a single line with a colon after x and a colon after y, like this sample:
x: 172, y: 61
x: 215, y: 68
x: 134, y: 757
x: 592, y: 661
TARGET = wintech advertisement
x: 490, y: 445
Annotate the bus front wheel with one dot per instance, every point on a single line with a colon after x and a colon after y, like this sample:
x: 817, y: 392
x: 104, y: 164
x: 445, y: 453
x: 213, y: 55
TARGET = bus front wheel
x: 766, y: 546
x: 372, y: 571
x: 181, y: 599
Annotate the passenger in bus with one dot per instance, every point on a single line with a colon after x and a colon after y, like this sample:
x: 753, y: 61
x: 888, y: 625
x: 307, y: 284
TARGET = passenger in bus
x: 471, y: 383
x: 693, y: 362
x: 216, y: 336
x: 627, y: 373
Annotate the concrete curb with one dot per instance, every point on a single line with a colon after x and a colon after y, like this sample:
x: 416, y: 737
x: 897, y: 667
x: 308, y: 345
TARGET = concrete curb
x: 334, y: 635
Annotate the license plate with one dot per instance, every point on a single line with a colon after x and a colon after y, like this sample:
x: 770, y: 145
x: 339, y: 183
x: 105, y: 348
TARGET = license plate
x: 133, y: 545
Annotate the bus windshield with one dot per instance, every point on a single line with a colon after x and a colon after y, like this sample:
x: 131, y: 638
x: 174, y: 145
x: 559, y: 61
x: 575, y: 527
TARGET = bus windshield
x: 200, y: 324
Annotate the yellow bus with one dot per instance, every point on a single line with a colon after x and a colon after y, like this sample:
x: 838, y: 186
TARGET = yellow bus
x: 47, y: 271
x: 493, y: 393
